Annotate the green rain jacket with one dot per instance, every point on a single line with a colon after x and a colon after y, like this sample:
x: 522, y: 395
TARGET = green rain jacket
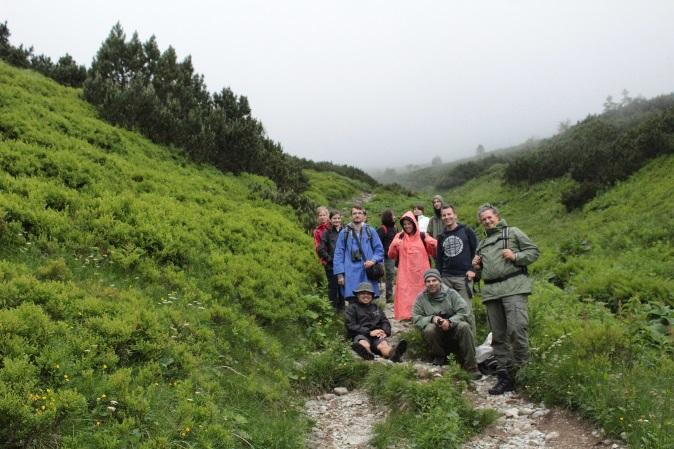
x: 503, y: 277
x: 447, y: 302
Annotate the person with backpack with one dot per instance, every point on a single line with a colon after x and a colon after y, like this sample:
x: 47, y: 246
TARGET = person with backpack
x: 358, y: 249
x: 326, y: 251
x: 387, y: 232
x: 454, y: 259
x: 502, y: 259
x: 412, y: 250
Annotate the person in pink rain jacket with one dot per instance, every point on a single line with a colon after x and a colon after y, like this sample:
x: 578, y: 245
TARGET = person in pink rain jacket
x: 411, y: 249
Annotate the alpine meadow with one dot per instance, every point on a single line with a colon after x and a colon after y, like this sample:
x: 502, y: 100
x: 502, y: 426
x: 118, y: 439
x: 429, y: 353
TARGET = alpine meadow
x: 152, y: 296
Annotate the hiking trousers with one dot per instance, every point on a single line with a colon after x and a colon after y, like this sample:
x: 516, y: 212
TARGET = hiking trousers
x: 509, y: 322
x: 390, y: 272
x: 464, y: 288
x: 458, y: 340
x: 334, y: 294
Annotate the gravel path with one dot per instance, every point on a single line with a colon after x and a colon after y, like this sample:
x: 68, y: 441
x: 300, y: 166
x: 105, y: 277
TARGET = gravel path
x: 344, y: 419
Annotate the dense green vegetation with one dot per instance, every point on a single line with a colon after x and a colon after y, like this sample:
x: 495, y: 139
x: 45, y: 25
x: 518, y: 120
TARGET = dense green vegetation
x: 330, y: 189
x: 603, y: 309
x: 347, y: 171
x: 141, y: 300
x: 597, y: 152
x: 135, y: 85
x: 602, y: 313
x: 142, y: 304
x: 139, y: 87
x: 601, y: 150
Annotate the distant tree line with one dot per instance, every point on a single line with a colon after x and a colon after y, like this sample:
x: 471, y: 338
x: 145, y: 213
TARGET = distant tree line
x: 344, y: 170
x: 137, y: 86
x: 600, y: 150
x: 65, y: 71
x: 464, y: 172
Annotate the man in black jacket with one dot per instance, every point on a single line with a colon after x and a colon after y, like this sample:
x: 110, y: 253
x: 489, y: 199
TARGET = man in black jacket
x: 369, y: 328
x: 456, y: 249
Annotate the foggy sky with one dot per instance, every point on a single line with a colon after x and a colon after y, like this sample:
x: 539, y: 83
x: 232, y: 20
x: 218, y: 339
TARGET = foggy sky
x: 386, y: 83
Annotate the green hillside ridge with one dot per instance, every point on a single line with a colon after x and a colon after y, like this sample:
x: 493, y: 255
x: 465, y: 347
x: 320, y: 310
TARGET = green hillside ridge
x: 603, y: 308
x: 145, y: 301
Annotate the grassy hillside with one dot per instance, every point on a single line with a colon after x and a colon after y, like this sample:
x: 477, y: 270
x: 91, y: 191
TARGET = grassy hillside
x: 603, y: 309
x: 331, y: 189
x: 144, y: 301
x: 602, y: 312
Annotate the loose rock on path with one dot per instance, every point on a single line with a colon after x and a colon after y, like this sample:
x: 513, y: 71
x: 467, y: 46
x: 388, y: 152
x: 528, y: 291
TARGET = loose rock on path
x: 345, y: 419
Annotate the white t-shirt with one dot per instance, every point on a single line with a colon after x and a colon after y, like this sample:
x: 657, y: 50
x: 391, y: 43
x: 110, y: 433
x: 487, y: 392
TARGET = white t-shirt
x: 423, y: 222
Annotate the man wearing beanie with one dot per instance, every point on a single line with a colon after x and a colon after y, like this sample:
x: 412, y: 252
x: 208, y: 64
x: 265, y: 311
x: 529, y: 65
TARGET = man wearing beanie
x: 435, y: 225
x: 442, y: 315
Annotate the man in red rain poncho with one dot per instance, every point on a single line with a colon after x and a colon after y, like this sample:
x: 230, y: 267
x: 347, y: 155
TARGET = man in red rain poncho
x: 411, y: 249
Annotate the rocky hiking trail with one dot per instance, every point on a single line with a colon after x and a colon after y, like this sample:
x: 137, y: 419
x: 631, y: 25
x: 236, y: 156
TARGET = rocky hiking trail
x: 345, y: 419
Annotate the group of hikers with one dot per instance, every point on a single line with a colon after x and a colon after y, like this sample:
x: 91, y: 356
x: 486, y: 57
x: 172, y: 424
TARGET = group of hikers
x: 429, y: 266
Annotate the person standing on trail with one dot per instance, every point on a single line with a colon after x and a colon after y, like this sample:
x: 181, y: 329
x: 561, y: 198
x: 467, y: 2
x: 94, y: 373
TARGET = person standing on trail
x: 387, y: 232
x: 369, y: 328
x: 358, y: 248
x: 326, y: 251
x: 456, y: 249
x: 412, y: 249
x: 441, y: 315
x: 502, y: 259
x: 323, y: 223
x: 435, y: 225
x: 422, y: 220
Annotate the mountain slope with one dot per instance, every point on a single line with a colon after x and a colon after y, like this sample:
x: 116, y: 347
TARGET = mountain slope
x: 141, y: 300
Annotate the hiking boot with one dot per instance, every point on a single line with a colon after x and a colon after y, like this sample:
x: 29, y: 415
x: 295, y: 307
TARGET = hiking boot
x: 503, y: 384
x: 440, y: 361
x: 362, y: 351
x: 475, y: 375
x: 398, y: 351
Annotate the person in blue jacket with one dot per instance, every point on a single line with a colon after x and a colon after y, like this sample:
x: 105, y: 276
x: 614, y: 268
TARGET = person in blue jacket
x: 358, y: 247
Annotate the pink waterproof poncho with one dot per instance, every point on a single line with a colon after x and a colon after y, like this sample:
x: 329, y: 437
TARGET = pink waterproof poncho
x: 412, y: 255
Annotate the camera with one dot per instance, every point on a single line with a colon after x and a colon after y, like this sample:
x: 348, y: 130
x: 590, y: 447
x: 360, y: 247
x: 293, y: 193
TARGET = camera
x: 443, y: 315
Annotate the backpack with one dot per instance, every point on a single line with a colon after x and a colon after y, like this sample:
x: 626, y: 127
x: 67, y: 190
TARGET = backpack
x: 505, y: 236
x: 349, y: 230
x: 376, y: 271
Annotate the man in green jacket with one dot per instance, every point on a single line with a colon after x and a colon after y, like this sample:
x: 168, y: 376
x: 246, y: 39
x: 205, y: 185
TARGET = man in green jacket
x: 502, y: 259
x: 442, y: 315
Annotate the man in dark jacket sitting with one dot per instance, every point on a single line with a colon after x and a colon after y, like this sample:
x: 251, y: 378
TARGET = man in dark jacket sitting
x: 369, y: 328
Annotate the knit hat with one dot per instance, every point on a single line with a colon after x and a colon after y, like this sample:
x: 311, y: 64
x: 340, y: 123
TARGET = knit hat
x: 437, y: 197
x: 431, y: 272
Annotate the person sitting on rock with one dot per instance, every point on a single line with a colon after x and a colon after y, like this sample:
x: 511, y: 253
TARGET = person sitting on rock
x: 442, y: 316
x: 369, y: 328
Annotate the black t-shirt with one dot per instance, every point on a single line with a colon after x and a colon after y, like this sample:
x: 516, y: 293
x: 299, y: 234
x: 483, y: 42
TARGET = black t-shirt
x: 456, y: 249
